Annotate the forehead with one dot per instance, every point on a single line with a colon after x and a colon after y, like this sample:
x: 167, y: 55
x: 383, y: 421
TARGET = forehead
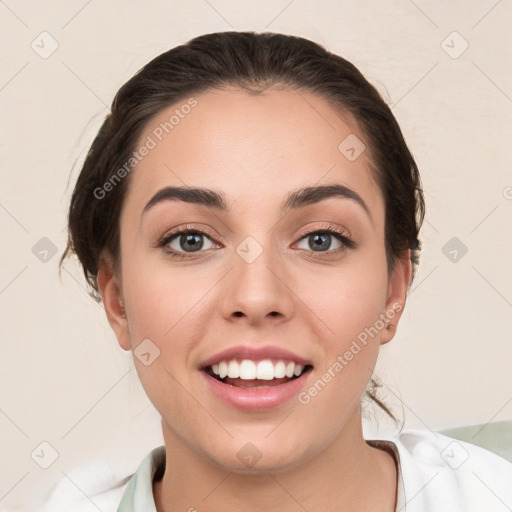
x: 253, y: 148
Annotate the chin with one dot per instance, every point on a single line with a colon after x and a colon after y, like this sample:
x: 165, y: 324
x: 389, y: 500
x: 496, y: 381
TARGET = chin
x: 259, y: 456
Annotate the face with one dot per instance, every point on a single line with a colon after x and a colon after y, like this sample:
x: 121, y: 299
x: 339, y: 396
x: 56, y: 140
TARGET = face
x: 260, y: 282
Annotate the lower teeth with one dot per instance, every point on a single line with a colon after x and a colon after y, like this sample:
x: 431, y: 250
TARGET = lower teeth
x: 262, y: 385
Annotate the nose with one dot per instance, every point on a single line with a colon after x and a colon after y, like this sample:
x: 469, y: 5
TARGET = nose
x: 258, y: 289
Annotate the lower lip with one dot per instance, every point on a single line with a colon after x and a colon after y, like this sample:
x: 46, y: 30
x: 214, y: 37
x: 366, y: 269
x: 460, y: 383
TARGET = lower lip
x: 256, y: 399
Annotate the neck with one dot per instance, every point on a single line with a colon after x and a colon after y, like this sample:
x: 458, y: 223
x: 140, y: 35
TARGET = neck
x: 348, y: 471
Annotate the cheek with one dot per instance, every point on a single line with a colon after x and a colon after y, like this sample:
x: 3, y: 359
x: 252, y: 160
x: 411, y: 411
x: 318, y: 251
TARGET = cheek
x: 346, y: 301
x: 347, y: 330
x: 162, y: 300
x: 348, y: 304
x: 163, y: 305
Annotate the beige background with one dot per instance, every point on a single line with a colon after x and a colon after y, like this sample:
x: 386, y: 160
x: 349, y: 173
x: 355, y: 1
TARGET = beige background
x: 65, y: 381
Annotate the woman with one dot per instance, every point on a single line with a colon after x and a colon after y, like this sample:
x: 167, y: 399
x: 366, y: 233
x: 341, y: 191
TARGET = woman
x: 249, y: 214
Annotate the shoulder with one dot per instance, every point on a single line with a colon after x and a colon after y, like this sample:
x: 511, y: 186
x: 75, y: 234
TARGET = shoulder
x: 439, y: 471
x: 100, y: 486
x: 85, y: 488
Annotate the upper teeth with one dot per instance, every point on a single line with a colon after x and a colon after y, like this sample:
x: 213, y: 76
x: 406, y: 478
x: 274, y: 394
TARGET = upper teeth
x: 263, y: 370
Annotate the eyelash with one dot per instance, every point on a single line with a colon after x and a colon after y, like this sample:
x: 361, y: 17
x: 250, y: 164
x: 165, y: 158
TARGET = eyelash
x: 337, y: 233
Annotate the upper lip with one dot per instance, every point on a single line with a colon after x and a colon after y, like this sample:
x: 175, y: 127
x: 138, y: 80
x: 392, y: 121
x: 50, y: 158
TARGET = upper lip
x: 254, y: 353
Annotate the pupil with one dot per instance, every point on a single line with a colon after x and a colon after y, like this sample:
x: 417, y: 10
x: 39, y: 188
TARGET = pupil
x: 318, y: 239
x: 191, y: 241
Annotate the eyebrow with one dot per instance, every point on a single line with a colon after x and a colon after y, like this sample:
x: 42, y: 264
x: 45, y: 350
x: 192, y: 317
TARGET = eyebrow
x: 296, y: 199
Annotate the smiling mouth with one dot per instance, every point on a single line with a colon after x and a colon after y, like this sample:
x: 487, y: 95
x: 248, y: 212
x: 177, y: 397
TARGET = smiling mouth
x: 256, y: 374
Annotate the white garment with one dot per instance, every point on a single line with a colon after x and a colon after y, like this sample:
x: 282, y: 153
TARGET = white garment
x: 436, y: 474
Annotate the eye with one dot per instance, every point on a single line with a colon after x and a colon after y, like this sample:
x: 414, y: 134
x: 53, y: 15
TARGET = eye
x: 186, y: 240
x: 322, y: 240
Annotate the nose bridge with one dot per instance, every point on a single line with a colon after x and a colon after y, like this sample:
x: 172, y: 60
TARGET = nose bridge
x: 256, y: 287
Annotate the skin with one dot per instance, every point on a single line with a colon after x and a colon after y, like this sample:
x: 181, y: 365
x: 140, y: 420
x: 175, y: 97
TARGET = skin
x: 256, y: 150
